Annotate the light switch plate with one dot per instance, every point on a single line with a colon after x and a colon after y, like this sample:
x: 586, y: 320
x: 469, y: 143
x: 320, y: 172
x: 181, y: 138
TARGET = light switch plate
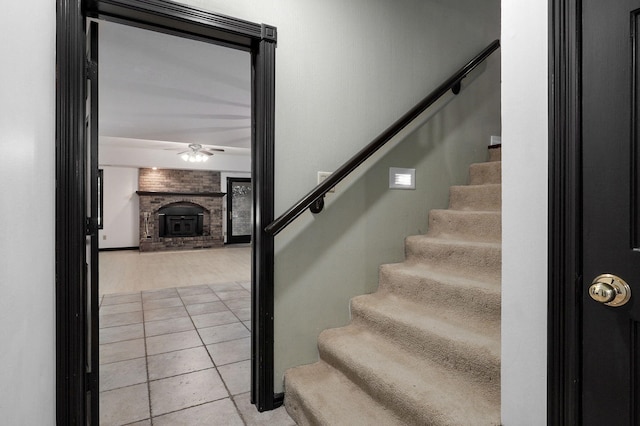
x: 322, y: 176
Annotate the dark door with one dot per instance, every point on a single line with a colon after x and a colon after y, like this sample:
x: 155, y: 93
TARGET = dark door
x: 91, y: 197
x: 239, y: 210
x: 611, y: 345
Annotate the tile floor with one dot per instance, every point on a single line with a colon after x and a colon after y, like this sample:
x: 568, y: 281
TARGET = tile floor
x: 179, y: 356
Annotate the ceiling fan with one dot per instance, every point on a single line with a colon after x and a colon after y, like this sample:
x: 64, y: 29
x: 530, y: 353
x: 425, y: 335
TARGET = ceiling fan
x: 197, y: 154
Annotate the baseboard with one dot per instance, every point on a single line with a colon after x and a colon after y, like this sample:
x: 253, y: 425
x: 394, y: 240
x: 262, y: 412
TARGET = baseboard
x: 119, y: 248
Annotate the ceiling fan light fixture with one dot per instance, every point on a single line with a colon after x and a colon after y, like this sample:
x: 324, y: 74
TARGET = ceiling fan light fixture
x: 195, y: 155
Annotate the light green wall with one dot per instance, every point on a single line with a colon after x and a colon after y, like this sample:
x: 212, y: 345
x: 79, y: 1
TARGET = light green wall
x: 345, y: 70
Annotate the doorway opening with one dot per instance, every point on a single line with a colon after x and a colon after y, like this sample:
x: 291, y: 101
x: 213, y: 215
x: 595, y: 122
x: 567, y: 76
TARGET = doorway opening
x: 177, y: 309
x: 76, y: 301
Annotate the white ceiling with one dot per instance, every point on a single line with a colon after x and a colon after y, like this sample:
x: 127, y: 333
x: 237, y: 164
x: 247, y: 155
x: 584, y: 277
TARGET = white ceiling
x: 159, y: 91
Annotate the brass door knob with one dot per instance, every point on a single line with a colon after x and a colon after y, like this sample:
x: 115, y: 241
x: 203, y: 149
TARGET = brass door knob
x: 610, y: 290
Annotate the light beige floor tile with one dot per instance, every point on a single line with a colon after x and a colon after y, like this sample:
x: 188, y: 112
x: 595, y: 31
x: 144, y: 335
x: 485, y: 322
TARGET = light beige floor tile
x: 159, y: 294
x: 173, y: 325
x: 187, y: 390
x: 243, y: 314
x: 245, y: 284
x: 217, y: 413
x: 115, y: 320
x: 232, y: 294
x: 213, y: 319
x: 123, y: 332
x: 223, y: 333
x: 231, y: 351
x: 165, y: 313
x: 252, y: 417
x: 121, y: 351
x: 178, y: 362
x: 125, y: 405
x: 237, y: 377
x: 200, y: 298
x: 119, y: 298
x: 242, y: 303
x: 225, y: 286
x: 206, y: 308
x: 121, y: 308
x: 123, y: 373
x: 142, y: 423
x: 173, y: 342
x: 169, y: 302
x: 194, y: 290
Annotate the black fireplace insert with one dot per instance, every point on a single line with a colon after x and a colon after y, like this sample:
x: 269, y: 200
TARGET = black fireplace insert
x: 184, y: 220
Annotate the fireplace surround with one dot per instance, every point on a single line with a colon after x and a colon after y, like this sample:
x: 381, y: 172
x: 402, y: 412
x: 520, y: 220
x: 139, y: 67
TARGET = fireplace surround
x: 179, y: 209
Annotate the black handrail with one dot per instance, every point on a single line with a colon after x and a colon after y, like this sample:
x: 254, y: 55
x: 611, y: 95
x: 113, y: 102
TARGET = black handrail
x: 315, y: 198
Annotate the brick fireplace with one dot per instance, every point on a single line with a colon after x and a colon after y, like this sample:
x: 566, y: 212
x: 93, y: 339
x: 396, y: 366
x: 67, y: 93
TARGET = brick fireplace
x: 179, y: 209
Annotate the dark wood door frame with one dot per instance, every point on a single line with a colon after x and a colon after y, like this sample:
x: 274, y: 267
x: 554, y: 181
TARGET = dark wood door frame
x: 564, y: 364
x: 178, y: 19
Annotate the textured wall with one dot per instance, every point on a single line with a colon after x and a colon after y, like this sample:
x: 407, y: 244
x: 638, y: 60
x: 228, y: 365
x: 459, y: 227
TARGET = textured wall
x: 27, y: 184
x: 524, y: 207
x: 345, y: 70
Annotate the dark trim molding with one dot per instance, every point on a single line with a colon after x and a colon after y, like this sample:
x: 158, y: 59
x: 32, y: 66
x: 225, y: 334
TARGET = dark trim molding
x: 178, y: 19
x: 178, y: 194
x: 120, y: 248
x: 70, y: 215
x: 262, y: 172
x: 565, y: 199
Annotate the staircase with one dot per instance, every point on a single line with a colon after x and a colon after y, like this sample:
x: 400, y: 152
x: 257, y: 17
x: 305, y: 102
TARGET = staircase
x: 424, y: 349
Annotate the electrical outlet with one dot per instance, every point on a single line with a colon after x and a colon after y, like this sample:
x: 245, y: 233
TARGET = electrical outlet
x: 322, y: 176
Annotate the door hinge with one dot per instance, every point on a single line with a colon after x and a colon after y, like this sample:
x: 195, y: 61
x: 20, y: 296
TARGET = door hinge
x: 91, y: 226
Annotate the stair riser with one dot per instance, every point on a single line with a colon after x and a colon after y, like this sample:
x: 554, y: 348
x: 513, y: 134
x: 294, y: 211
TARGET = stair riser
x: 485, y: 173
x: 478, y: 307
x: 471, y: 226
x: 476, y: 197
x: 297, y: 410
x: 478, y: 364
x: 482, y: 262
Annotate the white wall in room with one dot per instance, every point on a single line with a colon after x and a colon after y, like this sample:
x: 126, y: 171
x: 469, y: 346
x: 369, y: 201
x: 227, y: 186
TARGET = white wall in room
x: 344, y: 72
x: 223, y: 188
x: 524, y: 211
x: 27, y: 186
x: 121, y: 208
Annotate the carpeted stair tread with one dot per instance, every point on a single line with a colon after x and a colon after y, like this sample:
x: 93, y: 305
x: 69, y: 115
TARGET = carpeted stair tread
x: 485, y: 173
x: 450, y: 344
x: 481, y: 260
x: 318, y: 394
x: 476, y: 197
x: 473, y: 302
x: 419, y: 390
x: 468, y: 225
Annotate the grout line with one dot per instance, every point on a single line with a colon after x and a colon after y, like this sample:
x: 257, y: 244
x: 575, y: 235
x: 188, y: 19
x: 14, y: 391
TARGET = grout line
x: 146, y: 364
x: 214, y: 363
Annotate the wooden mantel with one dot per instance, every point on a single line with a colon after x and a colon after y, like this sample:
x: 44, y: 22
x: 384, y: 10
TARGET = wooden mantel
x: 179, y: 194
